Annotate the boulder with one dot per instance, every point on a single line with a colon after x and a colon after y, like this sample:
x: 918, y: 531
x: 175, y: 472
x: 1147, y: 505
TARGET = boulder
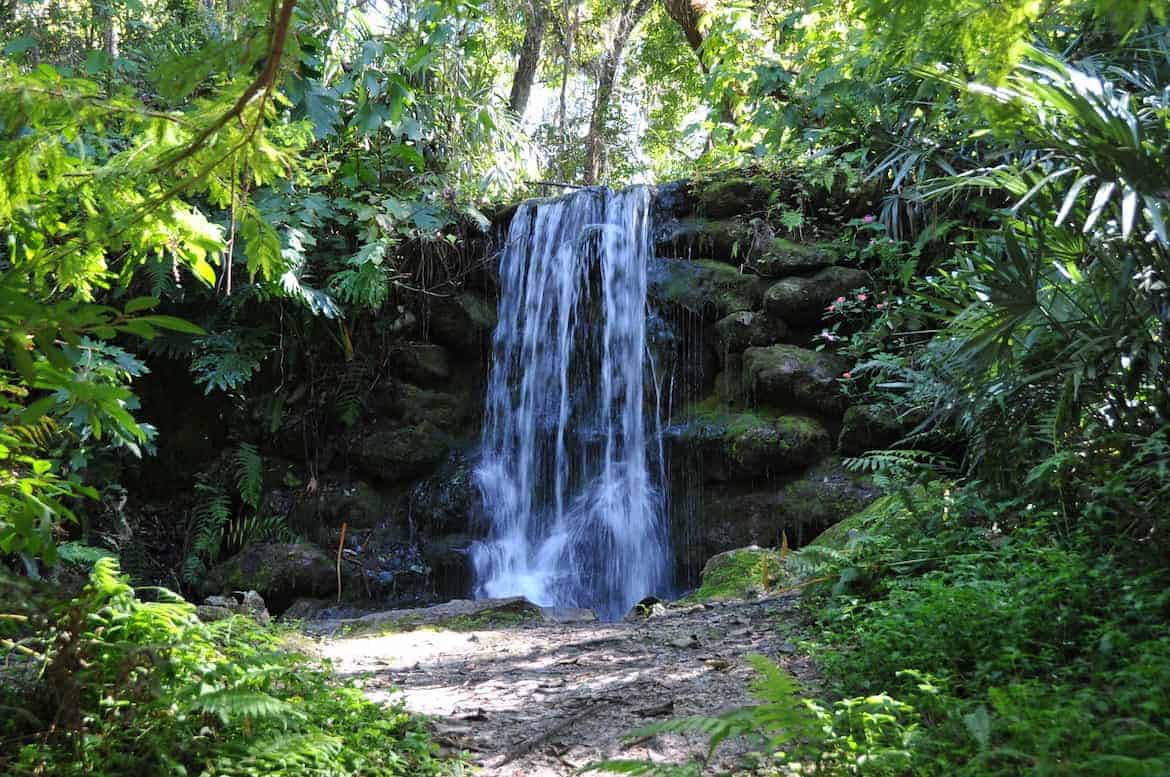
x: 456, y: 615
x: 464, y: 322
x: 745, y: 446
x: 783, y: 258
x: 726, y: 241
x: 787, y: 376
x: 746, y: 328
x: 801, y: 301
x: 391, y: 453
x: 247, y: 603
x: 448, y: 501
x: 735, y: 195
x: 413, y: 404
x: 732, y: 516
x: 424, y: 364
x: 708, y: 289
x: 279, y: 571
x: 869, y: 427
x: 743, y: 573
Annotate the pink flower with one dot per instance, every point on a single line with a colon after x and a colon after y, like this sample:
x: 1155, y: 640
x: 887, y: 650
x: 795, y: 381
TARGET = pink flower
x: 840, y: 299
x: 862, y: 297
x: 847, y: 375
x: 881, y: 306
x: 869, y: 219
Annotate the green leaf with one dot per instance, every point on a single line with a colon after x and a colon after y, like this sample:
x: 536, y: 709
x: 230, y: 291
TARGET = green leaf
x: 174, y: 324
x: 139, y: 304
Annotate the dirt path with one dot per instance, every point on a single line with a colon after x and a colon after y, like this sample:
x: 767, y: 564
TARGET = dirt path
x: 542, y: 699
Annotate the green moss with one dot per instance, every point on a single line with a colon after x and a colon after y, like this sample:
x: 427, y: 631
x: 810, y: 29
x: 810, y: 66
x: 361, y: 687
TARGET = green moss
x: 745, y: 573
x: 734, y: 195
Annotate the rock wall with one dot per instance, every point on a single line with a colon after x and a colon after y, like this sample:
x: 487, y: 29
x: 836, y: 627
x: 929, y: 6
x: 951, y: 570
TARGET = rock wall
x: 754, y: 419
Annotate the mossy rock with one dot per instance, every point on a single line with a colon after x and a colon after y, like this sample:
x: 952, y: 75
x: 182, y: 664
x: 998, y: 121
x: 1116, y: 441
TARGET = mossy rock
x: 724, y: 240
x: 709, y: 289
x: 447, y: 501
x: 792, y: 377
x: 464, y: 323
x: 869, y: 427
x: 746, y: 328
x: 393, y: 453
x: 735, y: 195
x: 802, y: 301
x: 735, y: 515
x: 423, y: 364
x: 784, y: 257
x: 279, y: 571
x: 413, y: 405
x: 744, y: 446
x: 743, y: 573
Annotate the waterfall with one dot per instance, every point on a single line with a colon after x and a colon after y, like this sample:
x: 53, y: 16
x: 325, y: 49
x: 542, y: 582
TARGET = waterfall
x: 575, y: 508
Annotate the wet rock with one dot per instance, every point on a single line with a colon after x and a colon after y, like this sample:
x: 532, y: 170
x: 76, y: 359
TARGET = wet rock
x: 801, y: 301
x: 449, y: 562
x: 650, y: 607
x: 672, y: 199
x: 414, y: 404
x: 746, y: 328
x: 728, y: 241
x: 390, y: 453
x: 783, y: 258
x: 278, y: 571
x: 448, y: 501
x: 742, y: 446
x: 708, y: 289
x: 463, y: 323
x: 733, y: 196
x: 457, y: 615
x: 790, y: 376
x: 424, y: 364
x: 869, y: 427
x: 734, y: 516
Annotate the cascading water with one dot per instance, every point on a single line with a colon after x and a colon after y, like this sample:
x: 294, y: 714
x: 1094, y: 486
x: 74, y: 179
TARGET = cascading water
x: 575, y: 508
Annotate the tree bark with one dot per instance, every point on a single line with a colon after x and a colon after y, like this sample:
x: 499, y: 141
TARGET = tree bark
x: 597, y: 161
x: 686, y: 15
x: 529, y: 60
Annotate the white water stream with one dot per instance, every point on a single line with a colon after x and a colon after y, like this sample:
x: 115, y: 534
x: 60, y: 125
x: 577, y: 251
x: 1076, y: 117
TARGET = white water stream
x: 576, y: 511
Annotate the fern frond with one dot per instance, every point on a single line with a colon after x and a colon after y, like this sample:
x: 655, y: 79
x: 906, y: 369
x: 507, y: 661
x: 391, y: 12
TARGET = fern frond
x: 249, y: 473
x: 646, y: 768
x: 235, y: 704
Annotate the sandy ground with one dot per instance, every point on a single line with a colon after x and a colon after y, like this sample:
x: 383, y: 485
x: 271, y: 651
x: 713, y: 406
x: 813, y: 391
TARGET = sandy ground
x: 542, y: 699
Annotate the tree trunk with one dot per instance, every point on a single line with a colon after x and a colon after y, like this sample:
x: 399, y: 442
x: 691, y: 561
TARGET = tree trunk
x: 597, y: 162
x: 529, y: 59
x: 686, y: 15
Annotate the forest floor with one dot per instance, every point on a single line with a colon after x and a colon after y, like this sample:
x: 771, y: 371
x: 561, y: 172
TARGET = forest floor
x: 544, y: 698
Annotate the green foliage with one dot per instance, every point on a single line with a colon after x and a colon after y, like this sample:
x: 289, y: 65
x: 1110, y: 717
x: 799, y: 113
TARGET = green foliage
x: 115, y: 685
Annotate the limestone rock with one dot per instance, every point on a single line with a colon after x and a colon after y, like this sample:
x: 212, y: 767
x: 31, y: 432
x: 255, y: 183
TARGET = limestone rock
x: 463, y: 323
x: 868, y: 427
x: 734, y: 515
x: 743, y: 446
x: 401, y: 452
x: 709, y: 289
x: 210, y: 613
x: 787, y: 376
x: 746, y: 328
x: 726, y: 240
x: 413, y: 404
x: 743, y: 573
x: 783, y: 258
x: 424, y: 364
x: 733, y: 196
x: 278, y: 571
x: 801, y: 301
x: 449, y: 500
x: 457, y: 615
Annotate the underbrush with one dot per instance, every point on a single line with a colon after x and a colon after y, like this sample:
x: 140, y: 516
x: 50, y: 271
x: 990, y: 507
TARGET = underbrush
x: 961, y: 637
x: 110, y: 684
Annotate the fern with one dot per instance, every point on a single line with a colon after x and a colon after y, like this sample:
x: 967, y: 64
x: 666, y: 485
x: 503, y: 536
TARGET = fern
x: 209, y: 522
x: 249, y: 473
x: 231, y: 705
